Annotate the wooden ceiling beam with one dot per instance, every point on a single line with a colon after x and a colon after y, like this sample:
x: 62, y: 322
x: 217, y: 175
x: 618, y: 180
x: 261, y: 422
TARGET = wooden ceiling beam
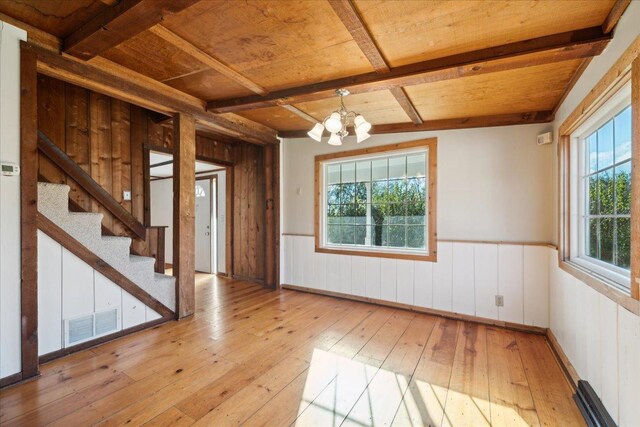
x: 118, y: 24
x: 614, y: 16
x: 113, y: 80
x: 351, y: 19
x: 194, y: 51
x: 577, y: 44
x: 445, y: 124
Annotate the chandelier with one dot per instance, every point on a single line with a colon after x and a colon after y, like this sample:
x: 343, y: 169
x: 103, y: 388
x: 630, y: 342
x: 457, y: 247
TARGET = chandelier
x: 337, y: 122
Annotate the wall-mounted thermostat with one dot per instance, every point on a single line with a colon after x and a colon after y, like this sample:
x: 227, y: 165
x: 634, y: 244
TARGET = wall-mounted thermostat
x: 545, y: 138
x: 10, y: 169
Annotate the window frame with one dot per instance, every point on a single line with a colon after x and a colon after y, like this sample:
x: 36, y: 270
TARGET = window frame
x: 625, y: 69
x: 430, y: 252
x: 614, y: 276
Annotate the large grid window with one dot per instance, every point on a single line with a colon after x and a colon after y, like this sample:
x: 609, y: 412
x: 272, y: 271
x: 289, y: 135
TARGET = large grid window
x: 377, y: 202
x: 606, y: 176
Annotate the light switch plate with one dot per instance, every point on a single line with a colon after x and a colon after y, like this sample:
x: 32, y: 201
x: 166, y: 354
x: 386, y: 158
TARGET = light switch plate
x: 126, y: 195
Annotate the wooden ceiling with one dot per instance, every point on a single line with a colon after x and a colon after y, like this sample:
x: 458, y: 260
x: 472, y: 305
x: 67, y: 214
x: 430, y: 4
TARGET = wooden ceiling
x: 409, y: 64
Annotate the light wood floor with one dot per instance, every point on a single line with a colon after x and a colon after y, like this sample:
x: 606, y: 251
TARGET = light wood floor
x: 257, y: 357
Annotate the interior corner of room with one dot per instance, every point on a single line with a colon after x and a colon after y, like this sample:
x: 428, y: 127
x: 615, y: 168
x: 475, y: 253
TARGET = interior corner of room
x: 267, y: 212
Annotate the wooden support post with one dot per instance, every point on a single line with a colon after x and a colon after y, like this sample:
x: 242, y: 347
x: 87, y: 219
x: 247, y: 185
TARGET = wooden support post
x: 29, y: 211
x: 269, y: 226
x: 635, y: 176
x: 184, y: 242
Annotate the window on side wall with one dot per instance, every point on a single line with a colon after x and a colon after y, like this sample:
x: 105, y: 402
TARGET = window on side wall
x: 602, y: 184
x: 378, y: 201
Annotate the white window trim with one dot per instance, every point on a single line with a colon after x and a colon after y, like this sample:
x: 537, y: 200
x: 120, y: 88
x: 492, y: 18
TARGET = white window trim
x: 615, y: 276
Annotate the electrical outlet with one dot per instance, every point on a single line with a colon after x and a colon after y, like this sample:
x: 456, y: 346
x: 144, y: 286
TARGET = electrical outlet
x: 126, y: 195
x: 499, y: 301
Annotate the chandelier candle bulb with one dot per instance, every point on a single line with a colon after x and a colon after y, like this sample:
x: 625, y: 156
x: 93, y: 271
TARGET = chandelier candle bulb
x: 333, y: 123
x: 338, y: 122
x: 316, y: 132
x: 335, y: 139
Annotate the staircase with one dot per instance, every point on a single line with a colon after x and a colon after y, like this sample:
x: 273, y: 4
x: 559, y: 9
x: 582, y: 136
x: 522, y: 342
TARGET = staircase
x: 53, y: 203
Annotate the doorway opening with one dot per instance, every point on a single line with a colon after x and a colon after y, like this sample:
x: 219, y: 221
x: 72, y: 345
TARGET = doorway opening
x: 210, y: 214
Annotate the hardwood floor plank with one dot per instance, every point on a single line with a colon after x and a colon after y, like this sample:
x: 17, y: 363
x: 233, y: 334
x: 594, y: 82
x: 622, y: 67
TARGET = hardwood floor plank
x: 254, y: 356
x: 549, y: 388
x: 172, y: 417
x: 468, y: 396
x: 333, y: 404
x: 511, y: 401
x: 423, y: 403
x: 379, y: 402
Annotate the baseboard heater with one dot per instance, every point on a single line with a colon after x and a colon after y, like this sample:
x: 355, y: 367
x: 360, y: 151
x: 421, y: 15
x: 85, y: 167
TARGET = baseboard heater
x: 593, y: 411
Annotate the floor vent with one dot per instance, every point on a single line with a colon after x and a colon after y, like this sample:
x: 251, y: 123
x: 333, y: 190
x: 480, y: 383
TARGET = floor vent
x: 593, y: 411
x: 79, y: 329
x: 84, y: 328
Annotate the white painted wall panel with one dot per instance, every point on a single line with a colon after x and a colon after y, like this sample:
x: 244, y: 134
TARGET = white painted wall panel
x: 593, y: 348
x: 287, y: 244
x: 107, y: 294
x: 443, y: 277
x: 10, y: 322
x: 423, y: 284
x: 609, y: 342
x: 344, y: 274
x: 373, y: 277
x: 628, y: 360
x: 388, y: 274
x: 133, y: 311
x: 486, y: 280
x: 299, y: 261
x: 510, y: 283
x: 77, y: 286
x: 308, y: 273
x: 151, y: 314
x: 333, y: 273
x: 536, y: 286
x: 358, y: 276
x: 463, y: 291
x: 404, y: 281
x: 49, y: 294
x: 320, y: 270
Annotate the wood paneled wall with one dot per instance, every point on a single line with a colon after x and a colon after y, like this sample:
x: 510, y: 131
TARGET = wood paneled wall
x: 102, y: 135
x: 248, y: 212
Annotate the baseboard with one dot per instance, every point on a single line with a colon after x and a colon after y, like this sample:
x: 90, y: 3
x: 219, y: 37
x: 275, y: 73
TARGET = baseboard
x: 450, y: 315
x: 10, y: 379
x: 570, y: 373
x: 98, y: 341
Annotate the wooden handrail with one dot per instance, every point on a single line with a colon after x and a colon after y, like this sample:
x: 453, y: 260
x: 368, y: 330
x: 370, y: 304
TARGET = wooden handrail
x: 84, y: 180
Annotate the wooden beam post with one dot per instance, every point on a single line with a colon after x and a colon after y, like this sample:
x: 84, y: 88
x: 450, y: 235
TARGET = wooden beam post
x: 635, y: 176
x: 184, y: 238
x: 271, y: 258
x: 29, y: 211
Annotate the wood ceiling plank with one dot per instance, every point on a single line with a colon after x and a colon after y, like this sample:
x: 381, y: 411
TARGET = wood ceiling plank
x: 298, y: 112
x: 408, y: 31
x: 445, y: 124
x: 351, y: 19
x: 277, y: 44
x: 109, y: 78
x: 614, y: 16
x: 549, y: 49
x: 535, y: 88
x: 208, y: 83
x: 187, y: 47
x: 58, y: 18
x: 119, y: 23
x: 277, y: 118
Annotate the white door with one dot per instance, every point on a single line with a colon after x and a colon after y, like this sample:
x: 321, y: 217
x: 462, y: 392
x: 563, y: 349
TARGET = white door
x: 203, y: 225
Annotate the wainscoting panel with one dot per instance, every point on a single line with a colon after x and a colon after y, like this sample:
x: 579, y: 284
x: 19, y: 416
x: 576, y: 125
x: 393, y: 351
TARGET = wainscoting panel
x: 465, y: 280
x: 68, y: 288
x: 600, y: 338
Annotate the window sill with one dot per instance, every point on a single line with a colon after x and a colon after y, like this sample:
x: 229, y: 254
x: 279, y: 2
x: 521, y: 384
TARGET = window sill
x: 602, y: 286
x: 432, y: 257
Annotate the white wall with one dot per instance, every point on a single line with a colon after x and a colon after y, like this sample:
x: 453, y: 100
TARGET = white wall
x: 162, y: 214
x: 493, y: 183
x: 600, y: 337
x: 10, y: 362
x: 68, y: 288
